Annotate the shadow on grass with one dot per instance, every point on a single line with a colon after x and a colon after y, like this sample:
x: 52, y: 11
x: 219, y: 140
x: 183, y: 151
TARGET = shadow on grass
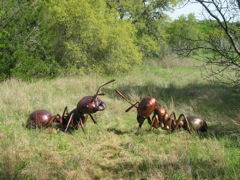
x: 117, y: 131
x: 142, y: 170
x: 211, y: 98
x: 215, y: 97
x: 168, y: 169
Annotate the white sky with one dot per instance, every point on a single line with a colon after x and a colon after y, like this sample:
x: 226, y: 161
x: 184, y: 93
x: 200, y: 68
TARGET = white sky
x: 200, y: 12
x: 195, y: 8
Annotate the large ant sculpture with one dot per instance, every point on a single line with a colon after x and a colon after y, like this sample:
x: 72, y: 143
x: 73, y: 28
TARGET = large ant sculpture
x: 42, y: 119
x: 87, y: 105
x: 162, y: 119
x: 144, y: 109
x: 190, y: 123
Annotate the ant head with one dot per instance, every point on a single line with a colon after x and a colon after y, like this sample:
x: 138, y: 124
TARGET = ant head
x: 140, y: 119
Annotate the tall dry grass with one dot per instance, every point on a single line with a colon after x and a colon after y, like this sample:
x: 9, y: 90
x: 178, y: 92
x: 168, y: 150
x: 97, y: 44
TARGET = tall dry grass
x: 116, y: 148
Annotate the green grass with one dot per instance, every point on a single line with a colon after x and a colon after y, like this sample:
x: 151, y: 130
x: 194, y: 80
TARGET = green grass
x: 116, y: 148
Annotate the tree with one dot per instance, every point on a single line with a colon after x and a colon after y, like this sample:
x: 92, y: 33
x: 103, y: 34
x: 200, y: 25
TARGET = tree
x: 91, y: 38
x: 27, y: 49
x: 148, y: 16
x: 219, y: 40
x: 181, y: 32
x: 42, y: 38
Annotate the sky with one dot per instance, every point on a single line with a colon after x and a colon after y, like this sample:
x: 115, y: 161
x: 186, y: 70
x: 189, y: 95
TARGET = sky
x: 200, y: 13
x: 185, y: 10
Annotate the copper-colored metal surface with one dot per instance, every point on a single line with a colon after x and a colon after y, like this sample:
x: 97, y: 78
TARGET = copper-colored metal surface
x: 42, y: 119
x: 144, y: 109
x: 196, y: 123
x: 162, y: 119
x: 88, y: 105
x: 170, y: 123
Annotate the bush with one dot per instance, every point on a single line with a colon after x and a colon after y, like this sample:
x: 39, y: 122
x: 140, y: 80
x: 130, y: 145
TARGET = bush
x: 34, y: 67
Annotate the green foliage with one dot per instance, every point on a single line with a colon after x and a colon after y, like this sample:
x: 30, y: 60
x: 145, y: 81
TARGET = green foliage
x: 214, y: 40
x: 68, y: 37
x: 26, y: 53
x: 150, y: 21
x: 95, y: 40
x: 1, y: 45
x: 151, y: 38
x: 75, y: 36
x: 3, y: 64
x: 182, y: 32
x: 34, y: 67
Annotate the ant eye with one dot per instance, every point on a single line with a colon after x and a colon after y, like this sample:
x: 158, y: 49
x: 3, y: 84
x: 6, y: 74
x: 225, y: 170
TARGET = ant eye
x: 85, y: 106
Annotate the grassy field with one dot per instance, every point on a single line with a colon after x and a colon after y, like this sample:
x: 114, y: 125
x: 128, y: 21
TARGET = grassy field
x: 116, y: 148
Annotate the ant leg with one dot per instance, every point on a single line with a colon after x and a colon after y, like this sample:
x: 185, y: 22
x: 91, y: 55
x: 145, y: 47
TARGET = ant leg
x: 51, y: 120
x: 170, y: 125
x: 180, y: 122
x: 171, y: 121
x: 153, y: 121
x: 149, y: 120
x: 174, y: 115
x: 69, y: 121
x: 54, y: 118
x: 82, y: 126
x: 85, y: 119
x: 82, y: 121
x: 95, y: 122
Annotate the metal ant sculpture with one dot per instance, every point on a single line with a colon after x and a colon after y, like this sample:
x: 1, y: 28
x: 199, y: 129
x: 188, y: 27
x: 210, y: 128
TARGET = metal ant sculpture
x: 87, y: 105
x: 144, y: 109
x: 162, y: 119
x: 190, y: 123
x: 42, y: 119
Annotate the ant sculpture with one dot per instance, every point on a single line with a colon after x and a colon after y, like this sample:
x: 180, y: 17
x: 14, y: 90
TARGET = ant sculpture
x: 162, y: 119
x: 42, y: 119
x: 144, y: 109
x: 87, y: 105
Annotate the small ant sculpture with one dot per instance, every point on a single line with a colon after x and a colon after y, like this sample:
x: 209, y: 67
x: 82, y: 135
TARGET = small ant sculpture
x: 42, y: 119
x: 144, y: 109
x: 87, y: 105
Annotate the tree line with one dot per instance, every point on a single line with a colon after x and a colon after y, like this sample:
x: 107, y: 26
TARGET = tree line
x: 48, y: 38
